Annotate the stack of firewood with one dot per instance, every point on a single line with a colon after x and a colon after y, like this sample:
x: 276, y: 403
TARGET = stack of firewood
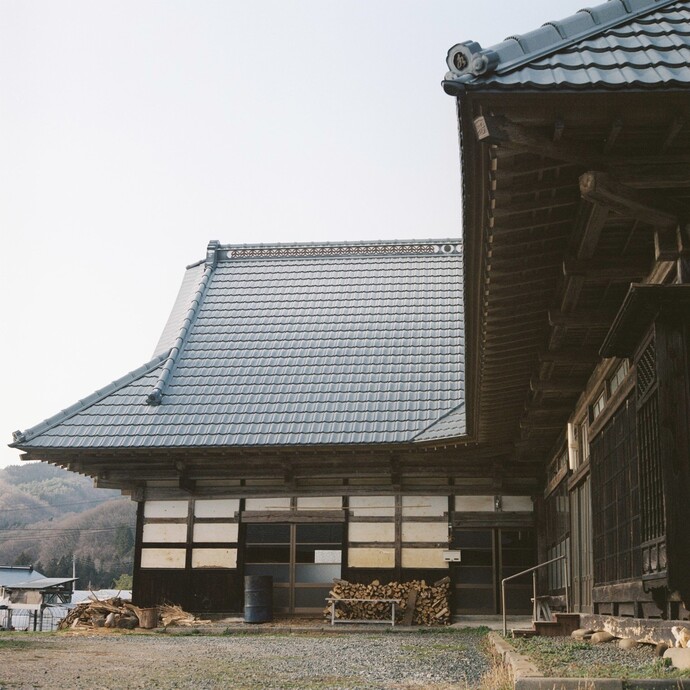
x: 419, y: 603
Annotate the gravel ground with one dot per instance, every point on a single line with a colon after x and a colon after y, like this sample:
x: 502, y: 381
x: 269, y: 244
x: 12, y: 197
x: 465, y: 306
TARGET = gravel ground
x: 429, y: 660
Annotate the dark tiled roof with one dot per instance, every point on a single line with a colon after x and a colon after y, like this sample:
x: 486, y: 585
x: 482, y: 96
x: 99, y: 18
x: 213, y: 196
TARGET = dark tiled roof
x: 621, y: 43
x: 293, y: 345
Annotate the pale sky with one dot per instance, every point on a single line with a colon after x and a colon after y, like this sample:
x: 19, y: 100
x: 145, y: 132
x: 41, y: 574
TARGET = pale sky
x: 133, y: 132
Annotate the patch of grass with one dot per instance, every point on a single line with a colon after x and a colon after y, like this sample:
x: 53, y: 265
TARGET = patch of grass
x: 15, y: 644
x: 563, y: 657
x: 499, y: 676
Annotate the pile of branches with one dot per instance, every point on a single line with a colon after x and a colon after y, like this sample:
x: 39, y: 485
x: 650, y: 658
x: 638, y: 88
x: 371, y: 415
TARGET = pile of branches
x: 108, y: 613
x: 119, y: 613
x: 418, y: 602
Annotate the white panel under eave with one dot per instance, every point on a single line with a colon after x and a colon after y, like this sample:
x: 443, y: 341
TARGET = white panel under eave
x: 425, y: 531
x: 372, y: 506
x: 267, y: 504
x: 166, y: 509
x: 322, y: 503
x: 475, y: 504
x: 371, y: 532
x: 371, y: 558
x: 424, y: 506
x: 216, y: 507
x: 517, y: 504
x: 163, y: 558
x: 423, y: 558
x: 165, y: 532
x: 214, y: 558
x: 216, y: 532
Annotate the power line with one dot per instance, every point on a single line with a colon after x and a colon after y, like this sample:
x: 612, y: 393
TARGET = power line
x: 60, y: 505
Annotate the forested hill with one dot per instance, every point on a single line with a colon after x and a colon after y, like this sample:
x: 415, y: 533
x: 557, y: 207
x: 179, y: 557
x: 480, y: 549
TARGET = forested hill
x: 48, y: 515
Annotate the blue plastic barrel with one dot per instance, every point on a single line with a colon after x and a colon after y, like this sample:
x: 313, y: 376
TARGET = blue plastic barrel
x: 258, y: 598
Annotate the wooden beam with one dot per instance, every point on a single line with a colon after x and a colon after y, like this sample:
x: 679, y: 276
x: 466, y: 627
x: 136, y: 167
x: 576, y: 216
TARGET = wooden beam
x: 559, y: 386
x: 614, y: 131
x: 600, y: 188
x: 672, y: 132
x: 570, y: 355
x: 502, y: 132
x: 655, y: 177
x: 580, y: 319
x: 667, y: 244
x: 508, y: 209
x: 619, y: 268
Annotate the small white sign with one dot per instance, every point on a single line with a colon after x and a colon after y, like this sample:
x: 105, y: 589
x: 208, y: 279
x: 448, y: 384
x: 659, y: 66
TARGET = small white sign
x: 324, y: 556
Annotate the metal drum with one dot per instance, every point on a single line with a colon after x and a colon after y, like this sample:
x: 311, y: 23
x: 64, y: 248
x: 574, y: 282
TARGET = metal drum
x: 258, y: 598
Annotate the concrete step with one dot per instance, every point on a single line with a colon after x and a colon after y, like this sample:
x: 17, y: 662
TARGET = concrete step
x: 523, y: 632
x: 548, y: 628
x: 568, y: 622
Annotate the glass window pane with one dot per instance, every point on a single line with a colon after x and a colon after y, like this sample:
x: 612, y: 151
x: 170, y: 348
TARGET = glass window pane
x: 280, y: 573
x: 281, y: 598
x: 476, y: 557
x: 310, y: 553
x: 480, y: 538
x: 311, y: 597
x: 316, y: 572
x: 521, y: 538
x: 476, y: 576
x: 267, y: 554
x: 331, y: 533
x: 268, y: 534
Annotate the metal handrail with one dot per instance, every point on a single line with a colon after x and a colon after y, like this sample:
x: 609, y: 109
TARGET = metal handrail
x: 533, y: 570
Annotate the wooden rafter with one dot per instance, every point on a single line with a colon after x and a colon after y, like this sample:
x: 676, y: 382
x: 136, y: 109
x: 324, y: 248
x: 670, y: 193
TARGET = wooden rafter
x: 620, y: 268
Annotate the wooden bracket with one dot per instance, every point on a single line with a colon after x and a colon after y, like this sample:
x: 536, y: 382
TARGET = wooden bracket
x: 599, y: 187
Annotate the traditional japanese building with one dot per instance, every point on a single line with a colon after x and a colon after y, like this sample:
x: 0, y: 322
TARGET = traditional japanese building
x: 575, y: 142
x: 295, y: 421
x: 353, y: 410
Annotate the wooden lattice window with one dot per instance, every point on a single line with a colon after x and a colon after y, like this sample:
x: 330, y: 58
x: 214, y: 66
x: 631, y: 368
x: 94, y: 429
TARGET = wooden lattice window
x: 653, y: 512
x: 615, y: 498
x: 557, y: 509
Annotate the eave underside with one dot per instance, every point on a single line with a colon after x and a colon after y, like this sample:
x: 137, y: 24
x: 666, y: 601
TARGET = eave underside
x: 554, y: 262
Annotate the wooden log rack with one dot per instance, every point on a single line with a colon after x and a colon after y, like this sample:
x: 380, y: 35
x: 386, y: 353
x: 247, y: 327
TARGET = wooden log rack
x: 334, y: 600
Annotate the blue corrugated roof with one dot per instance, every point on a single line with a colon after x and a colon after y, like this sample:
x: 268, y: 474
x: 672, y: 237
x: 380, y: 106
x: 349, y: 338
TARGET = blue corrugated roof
x: 294, y: 345
x: 13, y: 574
x: 621, y: 43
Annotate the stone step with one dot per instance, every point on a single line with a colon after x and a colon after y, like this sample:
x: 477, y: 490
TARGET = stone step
x: 523, y: 632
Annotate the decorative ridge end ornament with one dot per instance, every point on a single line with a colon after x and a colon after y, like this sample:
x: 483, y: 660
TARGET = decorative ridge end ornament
x: 468, y: 58
x: 18, y: 436
x: 212, y: 253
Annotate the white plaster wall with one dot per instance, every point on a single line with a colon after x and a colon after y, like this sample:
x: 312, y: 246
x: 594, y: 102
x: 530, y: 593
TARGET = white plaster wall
x: 424, y: 506
x: 372, y: 506
x: 165, y: 532
x: 214, y: 558
x: 475, y: 504
x: 217, y: 531
x: 423, y: 558
x: 216, y: 508
x: 425, y: 531
x: 267, y: 504
x: 371, y: 531
x: 162, y: 558
x: 166, y: 509
x: 371, y: 558
x: 517, y: 503
x: 323, y: 503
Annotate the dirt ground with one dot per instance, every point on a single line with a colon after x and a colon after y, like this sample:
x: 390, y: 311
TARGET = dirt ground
x: 277, y: 660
